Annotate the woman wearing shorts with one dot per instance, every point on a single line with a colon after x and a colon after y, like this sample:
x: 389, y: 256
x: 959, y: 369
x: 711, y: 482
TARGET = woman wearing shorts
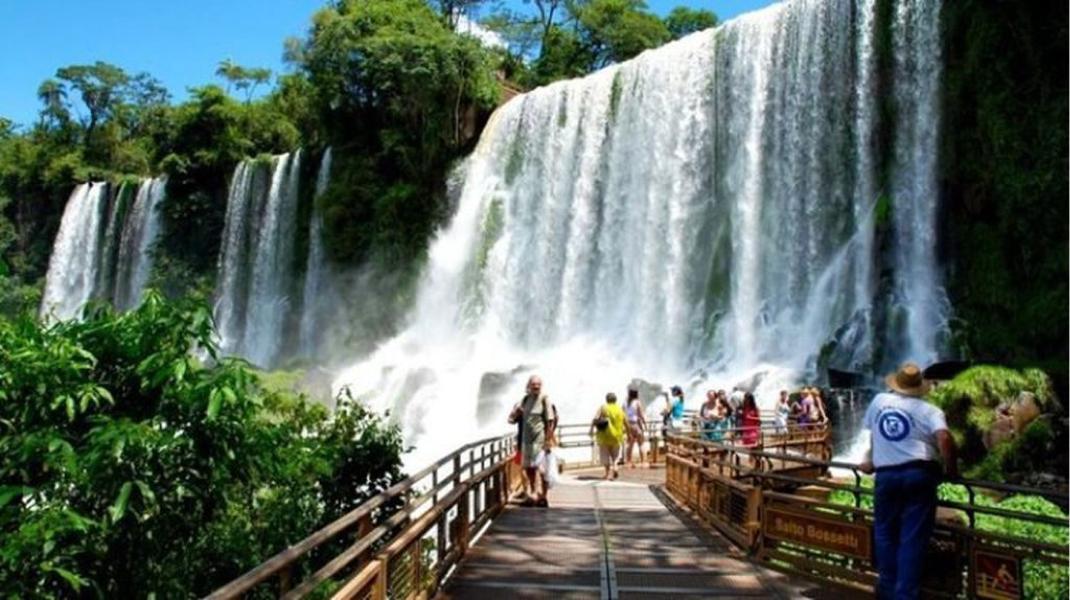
x: 636, y: 428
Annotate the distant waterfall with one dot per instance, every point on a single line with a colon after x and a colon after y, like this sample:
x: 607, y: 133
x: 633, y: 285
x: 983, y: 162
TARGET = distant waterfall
x: 702, y: 214
x: 103, y: 249
x: 255, y: 286
x: 75, y: 260
x: 317, y: 282
x: 135, y: 247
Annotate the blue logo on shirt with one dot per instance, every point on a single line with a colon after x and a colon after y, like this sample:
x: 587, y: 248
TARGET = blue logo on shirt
x: 893, y: 424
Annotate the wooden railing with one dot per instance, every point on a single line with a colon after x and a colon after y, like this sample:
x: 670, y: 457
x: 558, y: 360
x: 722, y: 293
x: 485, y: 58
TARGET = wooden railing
x: 774, y: 505
x: 404, y: 542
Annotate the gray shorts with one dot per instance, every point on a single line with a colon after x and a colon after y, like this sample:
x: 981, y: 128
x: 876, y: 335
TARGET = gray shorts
x: 609, y: 455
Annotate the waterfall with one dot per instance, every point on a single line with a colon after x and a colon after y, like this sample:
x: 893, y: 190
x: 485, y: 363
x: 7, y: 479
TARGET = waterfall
x: 75, y: 261
x: 914, y: 187
x: 316, y: 275
x: 103, y: 249
x: 139, y: 234
x: 702, y: 214
x: 256, y: 264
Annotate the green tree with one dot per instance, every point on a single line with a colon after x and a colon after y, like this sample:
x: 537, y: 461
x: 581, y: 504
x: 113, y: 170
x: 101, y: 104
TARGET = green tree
x: 616, y: 30
x: 101, y: 87
x: 683, y: 20
x: 242, y: 78
x: 128, y: 468
x: 53, y: 97
x: 398, y: 86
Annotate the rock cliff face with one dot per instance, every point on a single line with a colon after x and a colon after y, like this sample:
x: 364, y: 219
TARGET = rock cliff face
x: 1004, y: 181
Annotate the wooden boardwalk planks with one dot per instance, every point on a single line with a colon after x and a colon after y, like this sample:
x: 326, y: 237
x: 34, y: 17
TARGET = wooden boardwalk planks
x: 609, y: 540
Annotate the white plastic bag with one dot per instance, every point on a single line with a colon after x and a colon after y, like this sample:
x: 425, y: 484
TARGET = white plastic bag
x: 546, y: 462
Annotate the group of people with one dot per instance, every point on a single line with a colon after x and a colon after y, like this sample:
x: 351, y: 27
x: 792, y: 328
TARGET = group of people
x: 737, y: 417
x: 722, y: 414
x: 911, y: 451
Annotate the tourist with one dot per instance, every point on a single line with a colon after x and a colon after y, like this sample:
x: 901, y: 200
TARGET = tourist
x: 536, y: 416
x: 804, y: 409
x: 750, y: 420
x: 782, y: 412
x: 736, y: 401
x: 908, y: 436
x: 673, y: 413
x: 710, y: 418
x: 821, y: 416
x: 636, y: 427
x: 608, y: 429
x: 723, y: 418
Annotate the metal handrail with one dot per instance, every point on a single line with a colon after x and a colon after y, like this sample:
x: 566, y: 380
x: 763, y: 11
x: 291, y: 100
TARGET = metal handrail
x: 281, y: 564
x: 752, y: 469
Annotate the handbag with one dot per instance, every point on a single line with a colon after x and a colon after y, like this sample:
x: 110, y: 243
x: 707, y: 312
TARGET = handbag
x: 601, y: 424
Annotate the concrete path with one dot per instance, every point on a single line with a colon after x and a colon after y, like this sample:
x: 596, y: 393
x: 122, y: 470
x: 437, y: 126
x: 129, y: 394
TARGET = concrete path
x: 614, y: 540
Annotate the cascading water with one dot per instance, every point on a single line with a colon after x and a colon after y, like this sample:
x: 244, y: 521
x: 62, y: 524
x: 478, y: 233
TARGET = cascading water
x: 139, y: 233
x: 317, y: 283
x: 703, y: 213
x: 103, y: 250
x: 256, y: 263
x: 919, y: 295
x: 75, y: 260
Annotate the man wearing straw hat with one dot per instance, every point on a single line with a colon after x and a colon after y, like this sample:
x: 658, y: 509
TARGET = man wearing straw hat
x: 908, y: 436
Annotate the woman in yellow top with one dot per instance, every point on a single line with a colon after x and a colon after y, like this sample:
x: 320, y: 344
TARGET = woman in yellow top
x: 610, y: 437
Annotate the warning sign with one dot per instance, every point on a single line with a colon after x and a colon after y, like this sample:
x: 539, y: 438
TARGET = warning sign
x: 997, y: 576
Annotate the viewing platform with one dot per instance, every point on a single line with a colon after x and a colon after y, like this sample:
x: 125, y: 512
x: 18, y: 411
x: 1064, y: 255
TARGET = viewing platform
x: 707, y: 519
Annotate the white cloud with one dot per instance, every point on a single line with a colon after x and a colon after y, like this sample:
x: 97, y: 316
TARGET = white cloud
x: 488, y: 37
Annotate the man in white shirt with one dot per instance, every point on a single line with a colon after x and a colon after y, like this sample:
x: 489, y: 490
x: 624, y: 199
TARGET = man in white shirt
x: 908, y: 438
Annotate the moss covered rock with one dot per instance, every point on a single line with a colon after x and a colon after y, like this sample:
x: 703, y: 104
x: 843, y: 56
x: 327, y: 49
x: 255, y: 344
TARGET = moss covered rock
x: 1004, y: 420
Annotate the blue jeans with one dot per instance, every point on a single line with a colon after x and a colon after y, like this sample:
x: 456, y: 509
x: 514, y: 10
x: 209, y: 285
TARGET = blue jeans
x: 903, y: 515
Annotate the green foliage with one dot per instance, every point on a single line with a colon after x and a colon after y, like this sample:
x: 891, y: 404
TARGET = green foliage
x: 616, y: 30
x: 1042, y: 581
x: 243, y: 78
x: 129, y: 468
x: 395, y: 83
x: 1005, y: 162
x: 882, y: 212
x: 210, y: 134
x: 683, y: 21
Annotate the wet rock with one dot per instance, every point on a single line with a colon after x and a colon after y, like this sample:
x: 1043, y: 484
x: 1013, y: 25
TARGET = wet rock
x: 751, y: 383
x: 647, y: 390
x: 493, y: 387
x: 1024, y: 410
x: 1002, y: 430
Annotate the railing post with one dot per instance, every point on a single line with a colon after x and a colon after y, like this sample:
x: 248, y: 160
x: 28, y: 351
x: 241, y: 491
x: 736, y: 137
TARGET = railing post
x: 285, y: 580
x: 462, y: 525
x: 440, y: 535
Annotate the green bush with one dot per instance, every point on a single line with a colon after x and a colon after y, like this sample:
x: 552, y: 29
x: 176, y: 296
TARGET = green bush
x: 1043, y: 581
x: 969, y: 402
x: 128, y: 467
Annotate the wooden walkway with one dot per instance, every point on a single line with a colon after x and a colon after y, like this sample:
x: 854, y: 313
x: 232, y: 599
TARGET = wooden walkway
x: 623, y: 539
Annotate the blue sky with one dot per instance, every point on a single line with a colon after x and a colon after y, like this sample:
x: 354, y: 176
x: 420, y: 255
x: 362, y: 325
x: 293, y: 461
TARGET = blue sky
x: 179, y: 42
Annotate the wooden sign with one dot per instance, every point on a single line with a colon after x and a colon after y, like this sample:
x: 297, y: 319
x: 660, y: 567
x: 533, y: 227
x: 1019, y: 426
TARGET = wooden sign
x: 997, y: 576
x: 817, y: 531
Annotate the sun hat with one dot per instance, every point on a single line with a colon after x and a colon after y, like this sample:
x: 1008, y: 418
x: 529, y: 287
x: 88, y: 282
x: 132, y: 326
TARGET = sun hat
x: 908, y: 381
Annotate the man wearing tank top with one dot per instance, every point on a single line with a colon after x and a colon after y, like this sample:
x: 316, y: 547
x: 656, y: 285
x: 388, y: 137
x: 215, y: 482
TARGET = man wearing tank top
x: 908, y: 437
